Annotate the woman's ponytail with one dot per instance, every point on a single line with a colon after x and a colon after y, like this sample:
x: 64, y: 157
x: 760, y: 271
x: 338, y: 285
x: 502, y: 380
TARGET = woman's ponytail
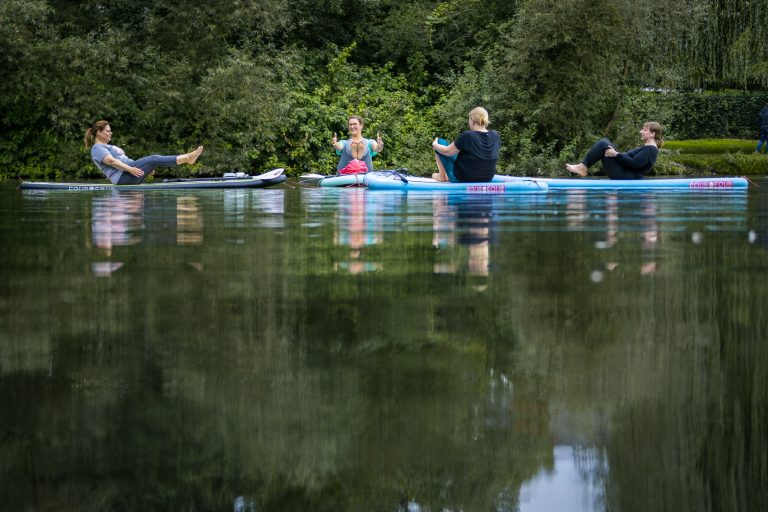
x: 89, y: 139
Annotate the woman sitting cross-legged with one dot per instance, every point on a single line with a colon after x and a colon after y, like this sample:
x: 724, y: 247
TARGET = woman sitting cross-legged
x: 472, y: 156
x: 356, y: 150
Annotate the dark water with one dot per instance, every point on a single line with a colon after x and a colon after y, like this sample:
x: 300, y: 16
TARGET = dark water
x: 343, y: 350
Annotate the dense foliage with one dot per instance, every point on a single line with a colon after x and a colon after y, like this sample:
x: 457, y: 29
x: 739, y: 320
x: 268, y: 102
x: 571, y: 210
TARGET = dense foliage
x: 267, y: 83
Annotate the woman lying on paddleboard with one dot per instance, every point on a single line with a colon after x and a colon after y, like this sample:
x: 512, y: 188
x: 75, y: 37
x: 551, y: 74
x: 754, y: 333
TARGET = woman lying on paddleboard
x: 632, y: 165
x: 117, y: 167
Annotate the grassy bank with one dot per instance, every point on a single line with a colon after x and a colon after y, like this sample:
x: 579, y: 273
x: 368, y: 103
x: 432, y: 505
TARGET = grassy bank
x: 732, y: 157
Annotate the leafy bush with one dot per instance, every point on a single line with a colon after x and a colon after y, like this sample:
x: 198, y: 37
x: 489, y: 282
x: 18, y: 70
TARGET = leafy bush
x: 319, y: 106
x: 692, y: 115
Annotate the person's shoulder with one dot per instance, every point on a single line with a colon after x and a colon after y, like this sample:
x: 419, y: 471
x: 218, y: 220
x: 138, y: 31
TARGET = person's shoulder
x: 462, y: 138
x: 490, y: 136
x: 469, y: 134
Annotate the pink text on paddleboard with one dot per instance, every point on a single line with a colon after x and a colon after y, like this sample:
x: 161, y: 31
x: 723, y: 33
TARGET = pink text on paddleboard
x: 711, y: 184
x: 486, y: 189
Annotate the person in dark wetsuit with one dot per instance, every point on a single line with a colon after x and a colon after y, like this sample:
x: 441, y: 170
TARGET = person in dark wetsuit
x: 763, y: 117
x: 472, y: 156
x: 630, y: 165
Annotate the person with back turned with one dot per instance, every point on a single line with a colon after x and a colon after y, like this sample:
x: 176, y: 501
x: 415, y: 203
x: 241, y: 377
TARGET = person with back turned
x: 472, y: 156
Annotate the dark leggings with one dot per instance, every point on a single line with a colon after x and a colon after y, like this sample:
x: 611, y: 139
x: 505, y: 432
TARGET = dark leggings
x: 763, y: 139
x: 612, y: 167
x: 146, y: 164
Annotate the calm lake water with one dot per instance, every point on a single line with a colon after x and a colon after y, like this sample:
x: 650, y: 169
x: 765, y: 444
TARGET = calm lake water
x: 306, y: 349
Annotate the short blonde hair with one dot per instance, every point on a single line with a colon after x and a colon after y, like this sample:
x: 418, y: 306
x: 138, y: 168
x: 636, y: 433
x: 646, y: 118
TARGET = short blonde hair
x: 479, y: 116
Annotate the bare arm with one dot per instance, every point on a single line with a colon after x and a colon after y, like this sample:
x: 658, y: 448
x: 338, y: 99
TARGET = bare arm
x: 338, y: 146
x: 379, y: 144
x: 448, y: 150
x: 114, y: 162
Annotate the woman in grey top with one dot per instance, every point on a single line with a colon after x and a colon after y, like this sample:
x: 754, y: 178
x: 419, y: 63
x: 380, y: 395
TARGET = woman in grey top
x: 117, y: 167
x: 356, y: 147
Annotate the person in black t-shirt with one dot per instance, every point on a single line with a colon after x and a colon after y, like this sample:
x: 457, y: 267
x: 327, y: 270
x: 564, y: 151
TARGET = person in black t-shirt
x: 630, y: 165
x: 472, y: 156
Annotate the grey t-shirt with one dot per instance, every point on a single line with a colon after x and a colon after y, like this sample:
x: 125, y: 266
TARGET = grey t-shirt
x: 100, y: 151
x: 346, y: 154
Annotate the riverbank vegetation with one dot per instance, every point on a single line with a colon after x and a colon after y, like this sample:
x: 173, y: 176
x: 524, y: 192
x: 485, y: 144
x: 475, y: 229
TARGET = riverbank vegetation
x: 714, y: 156
x: 265, y: 84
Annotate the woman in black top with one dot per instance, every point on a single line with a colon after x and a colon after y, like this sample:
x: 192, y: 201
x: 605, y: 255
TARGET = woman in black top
x: 472, y: 156
x: 631, y: 165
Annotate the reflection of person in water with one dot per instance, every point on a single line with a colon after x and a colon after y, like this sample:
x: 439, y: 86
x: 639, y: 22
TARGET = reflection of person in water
x: 472, y: 221
x: 650, y: 235
x: 357, y: 228
x: 475, y: 223
x: 116, y: 220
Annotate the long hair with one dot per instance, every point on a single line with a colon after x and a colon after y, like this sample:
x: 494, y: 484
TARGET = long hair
x: 90, y: 134
x: 655, y: 129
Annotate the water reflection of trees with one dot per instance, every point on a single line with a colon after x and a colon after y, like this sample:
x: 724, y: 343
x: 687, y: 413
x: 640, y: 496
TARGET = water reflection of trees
x: 656, y: 370
x: 274, y: 378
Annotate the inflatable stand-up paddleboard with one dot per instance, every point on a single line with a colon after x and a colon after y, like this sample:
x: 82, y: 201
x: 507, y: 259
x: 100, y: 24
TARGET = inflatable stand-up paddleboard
x: 229, y: 180
x: 397, y: 181
x: 342, y: 180
x: 724, y: 183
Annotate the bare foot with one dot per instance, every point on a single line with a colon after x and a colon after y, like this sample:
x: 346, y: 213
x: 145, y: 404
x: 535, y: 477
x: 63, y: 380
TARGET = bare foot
x: 438, y: 177
x: 193, y: 156
x: 579, y: 169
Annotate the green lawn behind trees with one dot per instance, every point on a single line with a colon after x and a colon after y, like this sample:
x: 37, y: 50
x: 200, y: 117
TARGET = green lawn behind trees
x: 265, y: 84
